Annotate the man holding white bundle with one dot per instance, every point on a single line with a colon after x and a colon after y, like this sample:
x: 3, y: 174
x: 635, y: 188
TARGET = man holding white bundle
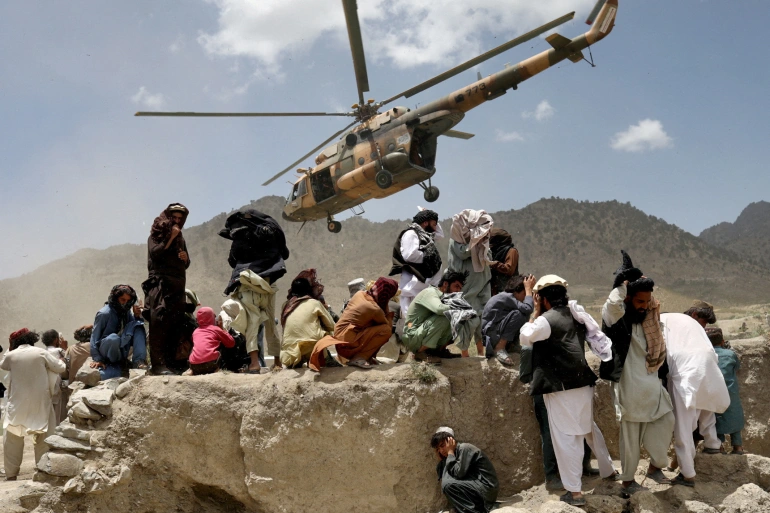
x: 557, y: 334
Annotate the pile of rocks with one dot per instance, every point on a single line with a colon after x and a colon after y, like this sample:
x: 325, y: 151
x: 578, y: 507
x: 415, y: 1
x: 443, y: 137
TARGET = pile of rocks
x: 75, y: 450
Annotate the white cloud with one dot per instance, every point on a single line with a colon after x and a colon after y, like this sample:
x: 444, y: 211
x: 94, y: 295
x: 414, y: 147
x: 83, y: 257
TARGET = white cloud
x: 269, y: 30
x: 646, y: 135
x: 177, y: 46
x: 508, y: 136
x: 144, y: 98
x: 543, y: 111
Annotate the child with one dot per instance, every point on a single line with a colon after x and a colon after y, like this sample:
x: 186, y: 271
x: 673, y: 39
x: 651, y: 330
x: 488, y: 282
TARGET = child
x: 731, y: 421
x: 204, y: 358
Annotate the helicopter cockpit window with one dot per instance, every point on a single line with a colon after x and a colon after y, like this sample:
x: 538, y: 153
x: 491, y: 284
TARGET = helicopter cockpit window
x: 299, y: 190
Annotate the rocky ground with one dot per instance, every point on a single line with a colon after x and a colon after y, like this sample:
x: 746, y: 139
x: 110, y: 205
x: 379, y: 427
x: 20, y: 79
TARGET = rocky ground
x: 345, y: 440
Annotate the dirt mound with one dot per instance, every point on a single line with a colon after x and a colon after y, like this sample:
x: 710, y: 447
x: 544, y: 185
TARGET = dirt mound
x: 351, y: 440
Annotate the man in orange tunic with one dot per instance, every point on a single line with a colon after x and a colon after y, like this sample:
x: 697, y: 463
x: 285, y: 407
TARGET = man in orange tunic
x: 364, y: 327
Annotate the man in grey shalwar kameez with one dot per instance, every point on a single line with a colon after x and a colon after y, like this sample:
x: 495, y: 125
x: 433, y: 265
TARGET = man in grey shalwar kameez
x: 468, y: 479
x: 632, y: 320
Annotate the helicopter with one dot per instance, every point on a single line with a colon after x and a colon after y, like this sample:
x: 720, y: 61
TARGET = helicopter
x: 384, y: 152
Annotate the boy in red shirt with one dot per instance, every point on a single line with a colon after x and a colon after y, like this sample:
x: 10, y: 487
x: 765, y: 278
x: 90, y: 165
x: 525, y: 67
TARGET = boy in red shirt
x: 204, y: 358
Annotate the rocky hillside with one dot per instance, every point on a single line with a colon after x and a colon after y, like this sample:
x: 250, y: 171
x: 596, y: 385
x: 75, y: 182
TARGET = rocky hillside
x: 748, y: 236
x: 578, y: 240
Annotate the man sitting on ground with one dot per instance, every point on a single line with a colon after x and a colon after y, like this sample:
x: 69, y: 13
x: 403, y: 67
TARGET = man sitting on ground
x: 427, y: 329
x: 116, y: 331
x: 364, y: 327
x: 305, y: 320
x: 503, y: 317
x: 468, y: 479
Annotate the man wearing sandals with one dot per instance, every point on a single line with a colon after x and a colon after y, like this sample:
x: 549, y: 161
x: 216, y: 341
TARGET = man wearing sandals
x: 503, y: 317
x: 427, y: 329
x: 697, y: 389
x: 631, y: 317
x: 561, y: 374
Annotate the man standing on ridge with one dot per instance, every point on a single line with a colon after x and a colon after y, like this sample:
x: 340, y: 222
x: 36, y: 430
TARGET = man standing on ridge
x: 631, y: 318
x: 164, y: 289
x: 258, y: 247
x: 416, y: 257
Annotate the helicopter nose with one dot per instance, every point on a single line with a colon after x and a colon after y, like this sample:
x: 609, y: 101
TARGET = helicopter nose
x: 283, y: 215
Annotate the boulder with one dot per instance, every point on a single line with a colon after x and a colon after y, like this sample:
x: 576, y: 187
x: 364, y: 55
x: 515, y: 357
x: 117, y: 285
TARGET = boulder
x: 645, y: 502
x: 62, y: 465
x: 558, y: 507
x: 603, y: 504
x: 124, y: 389
x: 69, y: 430
x: 87, y: 375
x: 30, y: 495
x: 696, y: 507
x: 749, y: 498
x: 760, y: 467
x: 99, y: 399
x: 81, y: 411
x: 67, y: 444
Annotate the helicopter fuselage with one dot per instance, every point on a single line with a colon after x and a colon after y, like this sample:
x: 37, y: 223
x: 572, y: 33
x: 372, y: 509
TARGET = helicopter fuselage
x: 403, y: 142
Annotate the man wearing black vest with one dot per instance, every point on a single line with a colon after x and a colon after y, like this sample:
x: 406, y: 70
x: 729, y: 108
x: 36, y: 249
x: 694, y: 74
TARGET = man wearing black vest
x: 561, y: 374
x: 631, y: 318
x: 416, y: 257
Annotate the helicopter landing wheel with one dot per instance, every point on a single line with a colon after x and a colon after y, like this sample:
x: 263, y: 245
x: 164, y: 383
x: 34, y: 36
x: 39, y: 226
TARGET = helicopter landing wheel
x: 431, y: 194
x: 384, y: 179
x: 334, y: 226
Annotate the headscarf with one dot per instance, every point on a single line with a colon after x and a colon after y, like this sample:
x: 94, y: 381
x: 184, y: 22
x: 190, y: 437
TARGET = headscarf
x: 425, y: 215
x: 384, y: 288
x: 295, y: 298
x: 473, y: 227
x: 83, y: 333
x: 161, y: 226
x: 122, y: 310
x: 500, y: 243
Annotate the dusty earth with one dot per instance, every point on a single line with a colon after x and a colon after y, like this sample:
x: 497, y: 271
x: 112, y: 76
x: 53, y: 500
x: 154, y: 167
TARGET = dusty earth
x: 353, y: 440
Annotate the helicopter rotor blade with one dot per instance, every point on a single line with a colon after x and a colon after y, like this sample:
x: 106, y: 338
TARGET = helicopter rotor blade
x: 481, y: 58
x: 595, y: 11
x: 356, y: 47
x: 303, y: 157
x: 241, y: 114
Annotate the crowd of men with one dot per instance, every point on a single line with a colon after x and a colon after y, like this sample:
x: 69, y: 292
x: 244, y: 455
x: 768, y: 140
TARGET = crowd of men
x: 670, y: 375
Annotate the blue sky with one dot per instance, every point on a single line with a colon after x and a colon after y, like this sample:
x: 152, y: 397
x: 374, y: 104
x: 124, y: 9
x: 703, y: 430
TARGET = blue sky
x: 79, y: 170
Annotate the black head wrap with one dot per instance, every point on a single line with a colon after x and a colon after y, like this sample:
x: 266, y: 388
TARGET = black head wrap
x: 122, y: 310
x: 425, y: 215
x: 626, y: 271
x: 161, y: 227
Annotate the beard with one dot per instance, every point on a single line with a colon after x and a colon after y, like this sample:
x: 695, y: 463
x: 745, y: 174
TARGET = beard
x: 635, y: 316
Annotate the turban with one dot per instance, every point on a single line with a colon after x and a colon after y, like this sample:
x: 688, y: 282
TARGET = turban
x: 17, y: 334
x: 425, y: 215
x: 626, y: 271
x: 384, y: 289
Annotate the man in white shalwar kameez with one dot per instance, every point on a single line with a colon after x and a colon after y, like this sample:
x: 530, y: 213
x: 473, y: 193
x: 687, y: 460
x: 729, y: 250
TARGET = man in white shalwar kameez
x: 697, y: 390
x: 30, y: 410
x: 557, y: 335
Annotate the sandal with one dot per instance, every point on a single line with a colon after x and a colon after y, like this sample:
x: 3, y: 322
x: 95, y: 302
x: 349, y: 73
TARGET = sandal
x: 633, y: 488
x: 422, y: 356
x: 659, y: 477
x: 738, y: 453
x: 361, y: 364
x: 709, y: 450
x: 612, y: 477
x: 681, y: 480
x: 503, y: 357
x: 572, y: 501
x: 373, y: 361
